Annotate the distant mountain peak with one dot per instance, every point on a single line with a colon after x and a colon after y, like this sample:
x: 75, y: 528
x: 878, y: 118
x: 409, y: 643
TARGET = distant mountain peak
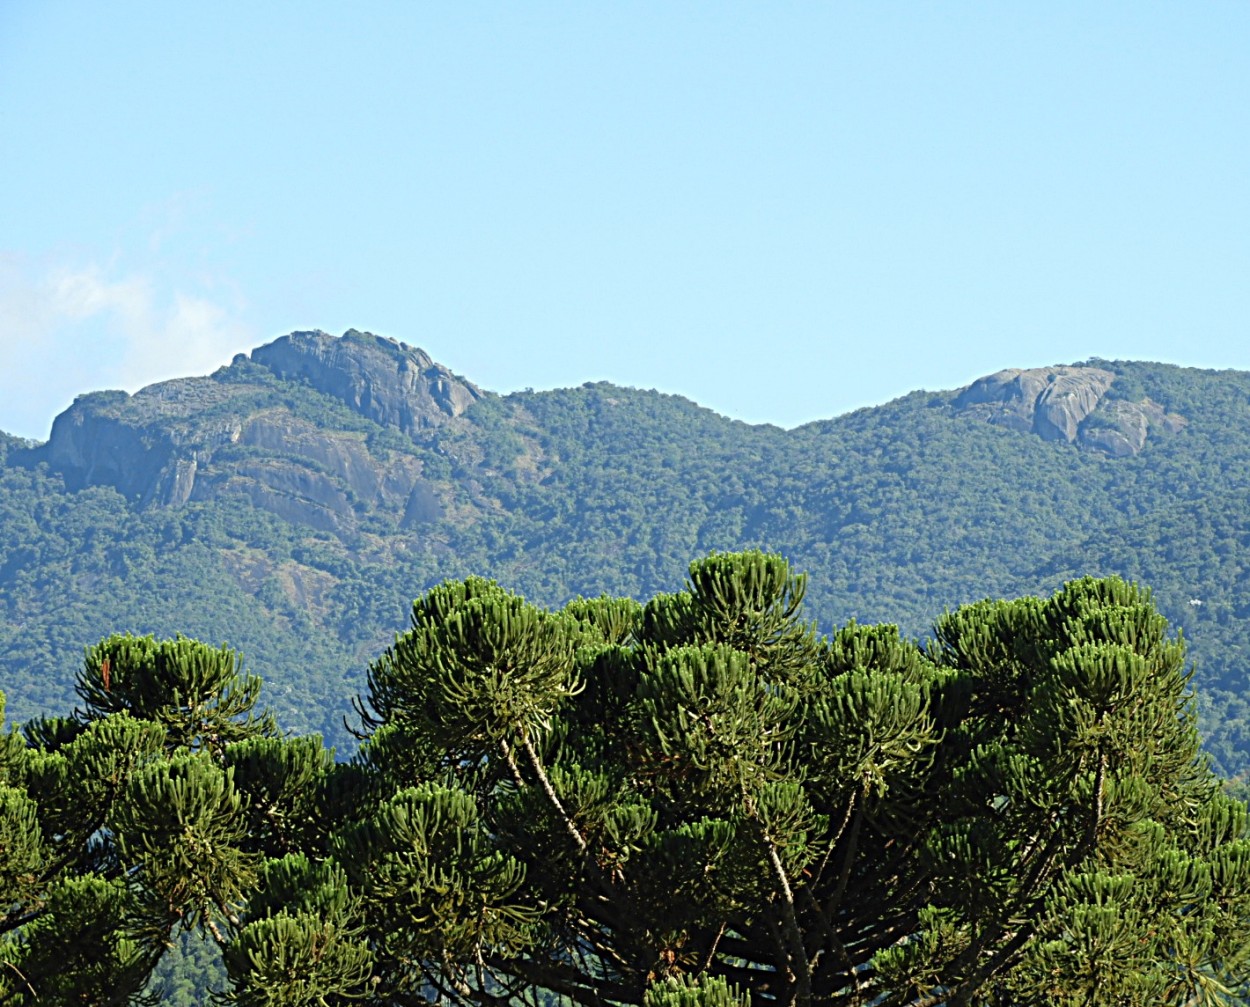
x: 383, y: 379
x: 1075, y: 404
x: 238, y: 433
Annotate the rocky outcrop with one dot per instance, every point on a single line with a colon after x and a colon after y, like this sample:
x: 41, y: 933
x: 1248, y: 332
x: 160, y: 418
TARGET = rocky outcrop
x: 1070, y: 396
x: 387, y: 381
x: 148, y: 446
x: 343, y: 456
x: 1121, y: 429
x: 1048, y: 401
x: 237, y: 433
x: 176, y: 482
x: 92, y: 445
x: 322, y: 478
x: 1069, y: 404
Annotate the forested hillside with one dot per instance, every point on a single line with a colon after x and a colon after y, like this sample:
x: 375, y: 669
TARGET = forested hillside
x: 295, y: 502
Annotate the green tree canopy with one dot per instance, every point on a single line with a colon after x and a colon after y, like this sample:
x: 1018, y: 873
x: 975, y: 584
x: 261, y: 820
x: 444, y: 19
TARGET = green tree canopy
x: 713, y: 793
x: 695, y: 801
x: 122, y: 824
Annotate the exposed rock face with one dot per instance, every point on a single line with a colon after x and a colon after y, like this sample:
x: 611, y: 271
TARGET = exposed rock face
x: 1049, y: 401
x: 177, y: 481
x: 342, y: 457
x: 320, y: 477
x: 1121, y: 428
x: 1007, y: 398
x: 1071, y: 396
x: 1067, y: 404
x: 92, y: 445
x: 231, y: 435
x: 140, y: 444
x: 89, y: 447
x: 391, y: 383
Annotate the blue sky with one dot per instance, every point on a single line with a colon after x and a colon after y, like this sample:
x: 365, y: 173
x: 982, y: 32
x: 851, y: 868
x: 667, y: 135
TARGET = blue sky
x: 783, y: 211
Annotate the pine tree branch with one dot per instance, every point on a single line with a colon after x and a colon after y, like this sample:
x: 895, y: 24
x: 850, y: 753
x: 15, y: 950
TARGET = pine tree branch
x: 833, y: 843
x: 711, y: 951
x: 848, y: 859
x: 1095, y: 822
x: 552, y: 797
x: 794, y: 937
x: 512, y: 766
x: 603, y: 993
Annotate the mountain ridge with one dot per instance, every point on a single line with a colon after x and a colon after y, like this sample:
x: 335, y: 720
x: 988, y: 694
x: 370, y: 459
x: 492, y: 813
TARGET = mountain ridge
x: 118, y: 439
x: 295, y: 511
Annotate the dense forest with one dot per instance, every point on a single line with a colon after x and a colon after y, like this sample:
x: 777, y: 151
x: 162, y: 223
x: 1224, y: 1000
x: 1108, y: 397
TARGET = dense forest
x: 696, y: 801
x: 295, y: 502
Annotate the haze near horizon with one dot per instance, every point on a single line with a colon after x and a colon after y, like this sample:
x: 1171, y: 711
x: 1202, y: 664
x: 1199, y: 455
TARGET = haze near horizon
x: 781, y: 212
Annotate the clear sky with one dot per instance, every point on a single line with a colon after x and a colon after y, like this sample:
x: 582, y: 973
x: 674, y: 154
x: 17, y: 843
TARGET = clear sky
x: 783, y: 211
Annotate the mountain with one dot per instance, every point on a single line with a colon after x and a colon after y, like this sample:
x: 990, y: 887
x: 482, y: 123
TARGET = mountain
x: 294, y: 502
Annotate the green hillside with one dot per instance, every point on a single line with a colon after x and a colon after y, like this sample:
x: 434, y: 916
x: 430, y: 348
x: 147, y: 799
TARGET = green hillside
x: 294, y: 503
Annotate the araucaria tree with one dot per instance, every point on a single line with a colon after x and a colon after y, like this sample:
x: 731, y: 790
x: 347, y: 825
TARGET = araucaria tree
x: 698, y: 800
x: 121, y: 824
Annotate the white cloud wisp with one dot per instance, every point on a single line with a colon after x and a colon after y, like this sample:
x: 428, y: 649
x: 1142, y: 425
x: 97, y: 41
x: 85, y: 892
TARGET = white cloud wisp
x: 68, y: 330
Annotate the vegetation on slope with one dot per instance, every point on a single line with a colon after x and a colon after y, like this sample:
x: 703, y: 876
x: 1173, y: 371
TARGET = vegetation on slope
x: 896, y: 511
x: 698, y: 800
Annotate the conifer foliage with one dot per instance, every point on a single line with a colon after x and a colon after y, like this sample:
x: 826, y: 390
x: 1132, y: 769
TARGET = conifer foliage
x: 696, y: 801
x: 124, y: 823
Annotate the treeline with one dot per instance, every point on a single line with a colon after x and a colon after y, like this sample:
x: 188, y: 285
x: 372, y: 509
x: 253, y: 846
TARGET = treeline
x: 697, y: 799
x: 896, y: 512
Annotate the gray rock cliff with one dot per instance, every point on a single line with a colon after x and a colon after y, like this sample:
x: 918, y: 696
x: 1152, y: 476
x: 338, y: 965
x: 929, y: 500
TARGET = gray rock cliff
x: 1068, y: 404
x: 389, y: 382
x: 236, y: 434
